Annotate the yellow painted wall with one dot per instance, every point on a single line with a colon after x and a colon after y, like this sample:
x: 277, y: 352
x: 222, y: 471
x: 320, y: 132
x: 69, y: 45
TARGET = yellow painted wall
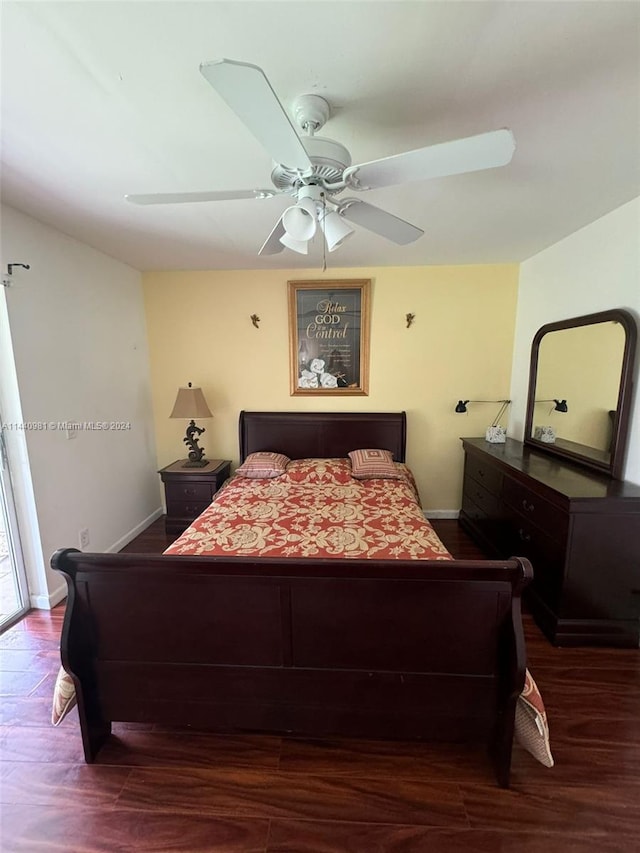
x: 460, y: 345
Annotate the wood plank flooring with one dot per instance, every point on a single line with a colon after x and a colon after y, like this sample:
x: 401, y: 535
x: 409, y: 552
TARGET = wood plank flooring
x: 161, y: 789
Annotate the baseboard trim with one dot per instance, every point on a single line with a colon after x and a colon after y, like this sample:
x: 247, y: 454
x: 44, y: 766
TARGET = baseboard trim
x: 442, y: 513
x: 137, y: 530
x: 48, y: 602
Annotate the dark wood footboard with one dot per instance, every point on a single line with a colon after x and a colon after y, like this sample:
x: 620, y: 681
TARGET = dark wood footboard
x: 402, y: 649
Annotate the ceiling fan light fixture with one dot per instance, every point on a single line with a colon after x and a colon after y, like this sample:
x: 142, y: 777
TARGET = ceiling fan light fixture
x: 299, y: 246
x: 335, y: 230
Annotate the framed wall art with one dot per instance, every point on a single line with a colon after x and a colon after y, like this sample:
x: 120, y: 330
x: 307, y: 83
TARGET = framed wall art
x: 329, y: 337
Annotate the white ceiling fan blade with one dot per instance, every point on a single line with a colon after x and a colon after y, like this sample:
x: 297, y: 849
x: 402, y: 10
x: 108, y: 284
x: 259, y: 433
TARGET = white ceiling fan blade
x: 183, y: 198
x: 484, y: 151
x: 272, y: 244
x: 379, y: 221
x: 249, y: 94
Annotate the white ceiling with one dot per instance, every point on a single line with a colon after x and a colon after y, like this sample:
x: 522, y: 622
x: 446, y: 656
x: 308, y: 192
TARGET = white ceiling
x: 101, y: 99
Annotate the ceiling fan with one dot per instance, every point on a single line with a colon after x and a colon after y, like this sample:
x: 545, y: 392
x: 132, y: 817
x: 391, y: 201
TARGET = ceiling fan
x: 315, y: 170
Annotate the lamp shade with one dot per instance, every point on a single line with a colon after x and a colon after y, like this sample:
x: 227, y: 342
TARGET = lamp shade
x: 299, y: 220
x: 299, y: 246
x: 335, y: 230
x: 560, y: 405
x: 190, y: 403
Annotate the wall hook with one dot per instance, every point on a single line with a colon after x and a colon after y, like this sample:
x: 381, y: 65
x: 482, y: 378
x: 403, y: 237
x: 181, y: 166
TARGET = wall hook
x: 255, y: 320
x: 7, y: 282
x: 410, y: 319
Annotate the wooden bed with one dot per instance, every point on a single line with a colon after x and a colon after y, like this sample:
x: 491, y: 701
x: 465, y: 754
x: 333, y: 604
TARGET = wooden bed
x: 355, y: 647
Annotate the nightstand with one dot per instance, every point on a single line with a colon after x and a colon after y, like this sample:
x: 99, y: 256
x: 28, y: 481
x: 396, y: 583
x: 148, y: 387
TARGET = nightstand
x: 188, y: 491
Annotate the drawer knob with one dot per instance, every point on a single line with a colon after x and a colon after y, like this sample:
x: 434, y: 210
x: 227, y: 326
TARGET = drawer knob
x: 524, y: 536
x: 528, y: 507
x: 189, y: 491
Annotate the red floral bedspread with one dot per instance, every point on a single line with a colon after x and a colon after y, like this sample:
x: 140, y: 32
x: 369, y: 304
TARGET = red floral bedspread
x: 315, y: 509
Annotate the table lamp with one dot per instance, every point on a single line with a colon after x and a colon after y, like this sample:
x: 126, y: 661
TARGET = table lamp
x: 190, y: 403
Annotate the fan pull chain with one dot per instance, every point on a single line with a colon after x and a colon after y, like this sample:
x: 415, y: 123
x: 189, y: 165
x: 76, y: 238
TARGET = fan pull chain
x: 324, y: 241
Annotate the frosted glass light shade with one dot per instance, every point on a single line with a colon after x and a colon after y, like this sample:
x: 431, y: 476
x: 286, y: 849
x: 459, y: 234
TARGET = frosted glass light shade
x: 335, y: 230
x: 299, y: 220
x: 299, y: 246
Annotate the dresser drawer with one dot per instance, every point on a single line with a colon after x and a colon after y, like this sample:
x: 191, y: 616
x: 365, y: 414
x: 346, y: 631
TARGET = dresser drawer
x: 547, y: 555
x: 488, y: 476
x: 487, y: 502
x: 536, y: 510
x: 486, y: 520
x: 525, y: 534
x: 191, y: 492
x: 472, y: 511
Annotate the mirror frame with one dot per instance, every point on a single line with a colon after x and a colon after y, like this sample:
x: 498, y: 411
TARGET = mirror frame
x: 614, y: 466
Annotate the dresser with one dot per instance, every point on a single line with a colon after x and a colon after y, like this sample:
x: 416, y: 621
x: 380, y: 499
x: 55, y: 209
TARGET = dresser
x: 189, y: 491
x: 580, y: 529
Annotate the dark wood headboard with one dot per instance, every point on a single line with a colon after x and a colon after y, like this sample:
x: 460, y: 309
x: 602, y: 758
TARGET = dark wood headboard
x: 300, y: 435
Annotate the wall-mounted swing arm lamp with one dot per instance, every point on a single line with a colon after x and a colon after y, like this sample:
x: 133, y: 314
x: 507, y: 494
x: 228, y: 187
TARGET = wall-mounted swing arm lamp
x: 461, y: 407
x: 190, y: 403
x: 495, y: 434
x: 560, y: 405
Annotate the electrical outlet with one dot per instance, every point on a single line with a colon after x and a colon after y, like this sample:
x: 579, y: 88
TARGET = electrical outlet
x: 83, y: 536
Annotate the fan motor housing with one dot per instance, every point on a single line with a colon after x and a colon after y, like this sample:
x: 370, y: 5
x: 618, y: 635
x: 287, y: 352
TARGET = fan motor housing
x: 329, y: 159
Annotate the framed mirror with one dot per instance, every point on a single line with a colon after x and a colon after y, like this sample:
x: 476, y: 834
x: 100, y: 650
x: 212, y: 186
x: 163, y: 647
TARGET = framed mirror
x: 580, y: 384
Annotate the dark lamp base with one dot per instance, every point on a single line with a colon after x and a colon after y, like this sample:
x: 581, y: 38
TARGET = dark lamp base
x: 196, y: 454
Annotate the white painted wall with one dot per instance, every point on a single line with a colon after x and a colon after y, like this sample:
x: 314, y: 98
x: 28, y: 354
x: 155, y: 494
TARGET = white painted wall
x: 78, y: 336
x: 594, y: 269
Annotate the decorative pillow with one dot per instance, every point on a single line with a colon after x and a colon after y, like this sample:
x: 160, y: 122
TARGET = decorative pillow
x: 374, y: 464
x: 532, y: 729
x: 332, y: 471
x: 64, y: 697
x: 263, y: 465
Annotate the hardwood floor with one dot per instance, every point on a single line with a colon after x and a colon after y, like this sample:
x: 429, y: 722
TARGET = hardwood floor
x: 175, y: 790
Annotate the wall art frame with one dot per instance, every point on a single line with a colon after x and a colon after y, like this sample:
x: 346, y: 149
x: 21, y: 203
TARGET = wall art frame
x: 329, y: 337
